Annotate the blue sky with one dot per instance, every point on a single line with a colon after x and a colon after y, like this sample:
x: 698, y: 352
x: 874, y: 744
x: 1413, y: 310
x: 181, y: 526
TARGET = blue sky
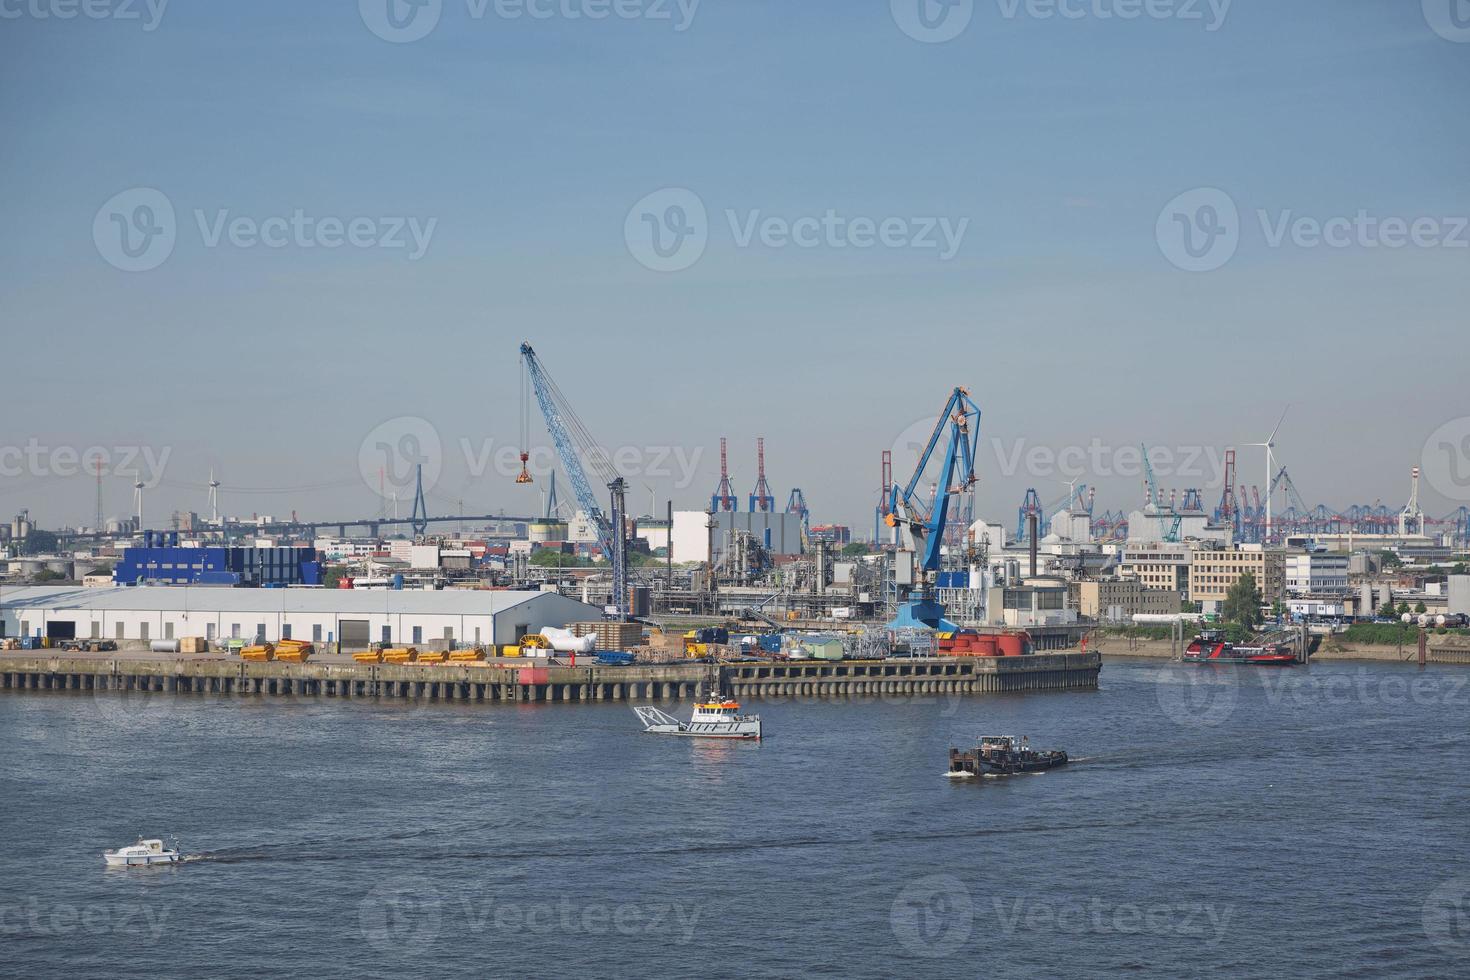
x: 526, y: 142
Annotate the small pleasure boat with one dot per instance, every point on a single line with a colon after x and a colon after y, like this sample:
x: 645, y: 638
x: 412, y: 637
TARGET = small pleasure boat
x: 714, y: 716
x: 145, y: 852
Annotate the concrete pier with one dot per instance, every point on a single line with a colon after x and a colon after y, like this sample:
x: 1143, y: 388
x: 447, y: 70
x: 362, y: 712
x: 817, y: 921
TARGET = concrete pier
x: 898, y: 677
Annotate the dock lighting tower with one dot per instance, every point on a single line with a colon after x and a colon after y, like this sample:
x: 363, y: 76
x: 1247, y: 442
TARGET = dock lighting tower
x: 1269, y: 445
x: 213, y: 498
x: 138, y: 502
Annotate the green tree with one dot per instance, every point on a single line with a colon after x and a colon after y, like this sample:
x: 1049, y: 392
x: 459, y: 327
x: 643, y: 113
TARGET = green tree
x: 1403, y: 608
x: 854, y: 548
x: 1420, y: 607
x: 549, y: 558
x: 332, y: 575
x: 1243, y: 602
x: 1387, y: 612
x: 1185, y: 606
x: 1389, y: 559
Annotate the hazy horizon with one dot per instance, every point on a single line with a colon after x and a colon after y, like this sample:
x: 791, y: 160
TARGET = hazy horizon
x: 265, y: 241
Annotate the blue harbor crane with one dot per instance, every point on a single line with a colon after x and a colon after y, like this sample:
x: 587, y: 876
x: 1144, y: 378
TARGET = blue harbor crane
x: 924, y: 525
x: 573, y: 445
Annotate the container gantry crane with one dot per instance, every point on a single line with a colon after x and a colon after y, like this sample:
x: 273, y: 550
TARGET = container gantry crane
x: 916, y: 568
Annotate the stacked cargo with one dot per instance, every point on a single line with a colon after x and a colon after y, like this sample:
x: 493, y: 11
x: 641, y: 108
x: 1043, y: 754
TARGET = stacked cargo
x: 193, y: 644
x: 293, y: 651
x: 433, y: 657
x: 611, y: 636
x: 475, y: 656
x: 370, y: 657
x: 259, y: 652
x: 400, y: 655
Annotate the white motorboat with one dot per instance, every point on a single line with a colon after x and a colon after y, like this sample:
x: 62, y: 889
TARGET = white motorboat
x: 143, y: 853
x: 714, y: 716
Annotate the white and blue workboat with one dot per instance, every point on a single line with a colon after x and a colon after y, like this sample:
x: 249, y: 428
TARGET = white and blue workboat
x: 142, y: 854
x: 714, y: 716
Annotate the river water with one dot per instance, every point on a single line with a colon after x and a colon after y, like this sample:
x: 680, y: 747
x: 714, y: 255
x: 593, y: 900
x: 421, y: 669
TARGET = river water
x: 1255, y: 822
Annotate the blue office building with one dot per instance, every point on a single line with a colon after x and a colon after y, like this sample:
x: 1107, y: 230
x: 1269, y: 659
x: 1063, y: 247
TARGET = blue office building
x: 162, y: 562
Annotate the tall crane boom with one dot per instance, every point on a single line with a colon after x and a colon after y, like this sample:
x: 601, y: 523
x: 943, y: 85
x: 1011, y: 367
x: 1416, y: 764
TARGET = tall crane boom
x: 573, y: 444
x: 924, y: 525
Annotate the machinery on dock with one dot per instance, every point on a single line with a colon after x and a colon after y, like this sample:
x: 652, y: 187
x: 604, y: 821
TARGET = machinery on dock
x: 922, y: 524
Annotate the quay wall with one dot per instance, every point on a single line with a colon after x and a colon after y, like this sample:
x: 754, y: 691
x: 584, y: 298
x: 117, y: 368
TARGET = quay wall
x: 941, y: 675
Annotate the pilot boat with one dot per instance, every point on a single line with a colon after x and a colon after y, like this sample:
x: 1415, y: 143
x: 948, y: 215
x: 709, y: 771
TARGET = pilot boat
x: 144, y: 852
x: 1001, y: 755
x: 715, y: 716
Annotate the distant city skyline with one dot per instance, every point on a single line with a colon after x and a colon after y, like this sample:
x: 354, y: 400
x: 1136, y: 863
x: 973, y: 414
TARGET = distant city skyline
x: 247, y: 239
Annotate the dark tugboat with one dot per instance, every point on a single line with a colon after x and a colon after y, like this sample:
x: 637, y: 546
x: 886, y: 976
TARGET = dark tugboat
x: 1211, y: 647
x: 1001, y: 755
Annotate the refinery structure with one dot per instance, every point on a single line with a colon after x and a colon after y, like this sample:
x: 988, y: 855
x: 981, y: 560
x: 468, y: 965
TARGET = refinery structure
x: 759, y: 560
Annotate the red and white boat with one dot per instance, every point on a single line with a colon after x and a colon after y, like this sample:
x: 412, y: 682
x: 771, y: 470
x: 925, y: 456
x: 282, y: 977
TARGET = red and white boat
x: 1211, y: 647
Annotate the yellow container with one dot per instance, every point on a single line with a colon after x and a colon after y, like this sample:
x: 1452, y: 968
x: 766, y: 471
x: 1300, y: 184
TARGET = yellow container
x: 368, y: 658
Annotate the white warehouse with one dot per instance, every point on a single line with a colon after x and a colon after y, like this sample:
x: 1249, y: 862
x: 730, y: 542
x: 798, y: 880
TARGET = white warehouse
x: 355, y: 617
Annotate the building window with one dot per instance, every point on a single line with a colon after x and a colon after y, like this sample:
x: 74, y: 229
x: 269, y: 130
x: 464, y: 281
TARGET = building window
x: 316, y: 633
x: 143, y: 631
x: 259, y: 632
x: 168, y: 630
x: 286, y: 632
x: 386, y: 635
x: 418, y: 635
x: 234, y: 631
x: 118, y: 630
x: 449, y: 633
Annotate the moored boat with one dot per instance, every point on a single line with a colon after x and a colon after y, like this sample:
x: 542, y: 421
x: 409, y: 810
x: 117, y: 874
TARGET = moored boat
x: 1211, y: 646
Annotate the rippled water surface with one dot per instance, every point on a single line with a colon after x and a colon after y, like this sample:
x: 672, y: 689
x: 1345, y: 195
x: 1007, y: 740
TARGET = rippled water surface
x: 1306, y: 822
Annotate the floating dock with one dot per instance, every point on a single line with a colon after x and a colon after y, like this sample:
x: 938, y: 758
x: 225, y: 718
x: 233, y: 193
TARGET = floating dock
x: 651, y: 682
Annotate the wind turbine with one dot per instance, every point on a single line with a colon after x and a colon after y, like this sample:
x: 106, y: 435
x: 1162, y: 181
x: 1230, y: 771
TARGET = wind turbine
x: 1268, y: 445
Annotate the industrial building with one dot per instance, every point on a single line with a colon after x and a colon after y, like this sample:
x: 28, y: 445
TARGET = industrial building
x: 162, y: 561
x: 1119, y: 600
x: 1212, y: 573
x: 353, y: 617
x: 1316, y: 573
x: 1158, y: 565
x: 700, y: 536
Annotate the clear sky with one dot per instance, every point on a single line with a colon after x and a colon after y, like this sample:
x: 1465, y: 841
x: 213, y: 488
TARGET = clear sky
x: 992, y: 210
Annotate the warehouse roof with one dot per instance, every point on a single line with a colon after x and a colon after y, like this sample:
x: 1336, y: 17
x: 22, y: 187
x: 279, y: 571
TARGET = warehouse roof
x: 146, y: 598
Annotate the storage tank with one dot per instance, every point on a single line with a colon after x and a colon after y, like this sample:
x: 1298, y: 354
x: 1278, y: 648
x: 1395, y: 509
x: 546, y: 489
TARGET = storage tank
x: 984, y: 645
x: 1365, y: 602
x: 1010, y: 644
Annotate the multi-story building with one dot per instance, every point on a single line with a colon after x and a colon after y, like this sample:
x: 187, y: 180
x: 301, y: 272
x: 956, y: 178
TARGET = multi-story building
x: 1158, y: 565
x: 1316, y: 574
x: 1213, y: 572
x: 1118, y: 600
